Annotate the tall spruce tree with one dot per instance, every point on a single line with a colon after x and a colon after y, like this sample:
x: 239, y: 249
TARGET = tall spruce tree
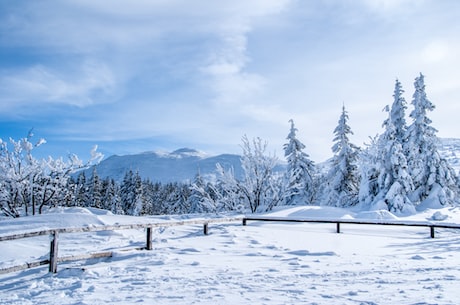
x: 342, y: 179
x: 398, y: 113
x: 432, y: 175
x: 299, y: 172
x: 395, y: 183
x: 131, y: 194
x: 111, y: 196
x: 95, y: 191
x: 81, y: 191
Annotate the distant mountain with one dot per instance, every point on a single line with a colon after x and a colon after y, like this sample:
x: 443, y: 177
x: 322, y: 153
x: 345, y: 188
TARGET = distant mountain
x: 178, y: 166
x: 183, y: 164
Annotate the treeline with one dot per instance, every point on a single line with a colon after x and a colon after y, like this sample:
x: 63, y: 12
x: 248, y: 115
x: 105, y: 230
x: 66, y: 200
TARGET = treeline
x: 132, y: 196
x: 398, y: 171
x: 260, y: 189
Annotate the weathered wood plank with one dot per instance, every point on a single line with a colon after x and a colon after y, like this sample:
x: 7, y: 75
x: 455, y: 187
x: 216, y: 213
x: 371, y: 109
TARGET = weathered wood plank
x: 148, y: 244
x: 23, y: 266
x: 54, y: 253
x: 85, y: 256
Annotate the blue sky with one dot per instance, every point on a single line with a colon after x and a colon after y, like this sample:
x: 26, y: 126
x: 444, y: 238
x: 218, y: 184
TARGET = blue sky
x: 134, y: 76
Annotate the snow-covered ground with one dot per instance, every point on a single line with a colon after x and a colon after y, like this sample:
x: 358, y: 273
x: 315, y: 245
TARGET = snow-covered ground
x: 261, y: 263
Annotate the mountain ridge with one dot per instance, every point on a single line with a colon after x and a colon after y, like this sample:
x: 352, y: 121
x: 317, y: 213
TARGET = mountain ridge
x: 180, y: 165
x: 183, y: 164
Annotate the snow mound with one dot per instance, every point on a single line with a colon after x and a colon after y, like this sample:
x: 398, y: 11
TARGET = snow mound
x: 312, y: 212
x: 78, y: 210
x: 53, y: 219
x: 438, y: 216
x: 379, y: 214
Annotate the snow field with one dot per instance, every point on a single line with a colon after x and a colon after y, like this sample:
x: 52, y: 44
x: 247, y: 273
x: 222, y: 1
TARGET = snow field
x: 261, y: 263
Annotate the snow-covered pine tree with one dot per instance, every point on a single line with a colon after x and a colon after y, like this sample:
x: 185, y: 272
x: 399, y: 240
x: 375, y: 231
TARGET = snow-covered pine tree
x: 228, y: 195
x: 202, y: 196
x: 197, y: 193
x: 432, y: 176
x: 81, y: 190
x: 398, y: 114
x: 176, y: 198
x: 147, y: 197
x: 300, y: 171
x: 131, y: 194
x: 159, y: 206
x: 369, y: 170
x: 95, y: 192
x: 341, y: 188
x: 111, y: 196
x: 394, y: 182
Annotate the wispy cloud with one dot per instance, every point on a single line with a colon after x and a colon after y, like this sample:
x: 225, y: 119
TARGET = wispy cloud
x: 91, y: 83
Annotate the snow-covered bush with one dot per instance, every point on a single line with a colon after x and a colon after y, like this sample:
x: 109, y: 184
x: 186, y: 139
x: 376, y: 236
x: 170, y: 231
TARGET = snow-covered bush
x: 28, y: 185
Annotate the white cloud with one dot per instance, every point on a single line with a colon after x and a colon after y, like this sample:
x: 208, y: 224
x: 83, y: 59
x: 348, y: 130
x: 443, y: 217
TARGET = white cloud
x: 39, y: 84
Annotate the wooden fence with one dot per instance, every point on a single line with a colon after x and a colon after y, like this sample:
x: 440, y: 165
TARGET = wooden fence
x: 338, y: 222
x: 54, y: 233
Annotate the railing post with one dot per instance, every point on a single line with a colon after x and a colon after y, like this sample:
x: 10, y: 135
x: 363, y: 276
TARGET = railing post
x: 432, y: 231
x: 244, y: 221
x: 148, y: 244
x: 54, y: 252
x: 205, y: 228
x: 338, y: 227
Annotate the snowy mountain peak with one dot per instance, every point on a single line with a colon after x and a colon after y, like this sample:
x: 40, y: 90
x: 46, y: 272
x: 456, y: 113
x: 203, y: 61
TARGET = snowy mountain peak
x: 178, y: 166
x: 187, y: 152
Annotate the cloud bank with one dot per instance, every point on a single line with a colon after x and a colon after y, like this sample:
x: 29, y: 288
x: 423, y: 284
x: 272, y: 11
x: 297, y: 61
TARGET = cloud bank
x: 150, y: 75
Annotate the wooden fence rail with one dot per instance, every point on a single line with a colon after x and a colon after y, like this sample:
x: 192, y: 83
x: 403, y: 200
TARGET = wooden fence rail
x: 338, y: 222
x: 54, y: 233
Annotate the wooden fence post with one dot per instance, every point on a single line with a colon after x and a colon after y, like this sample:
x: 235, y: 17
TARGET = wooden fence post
x: 54, y: 252
x: 244, y: 221
x: 205, y: 228
x: 432, y: 232
x: 148, y: 244
x: 338, y: 227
